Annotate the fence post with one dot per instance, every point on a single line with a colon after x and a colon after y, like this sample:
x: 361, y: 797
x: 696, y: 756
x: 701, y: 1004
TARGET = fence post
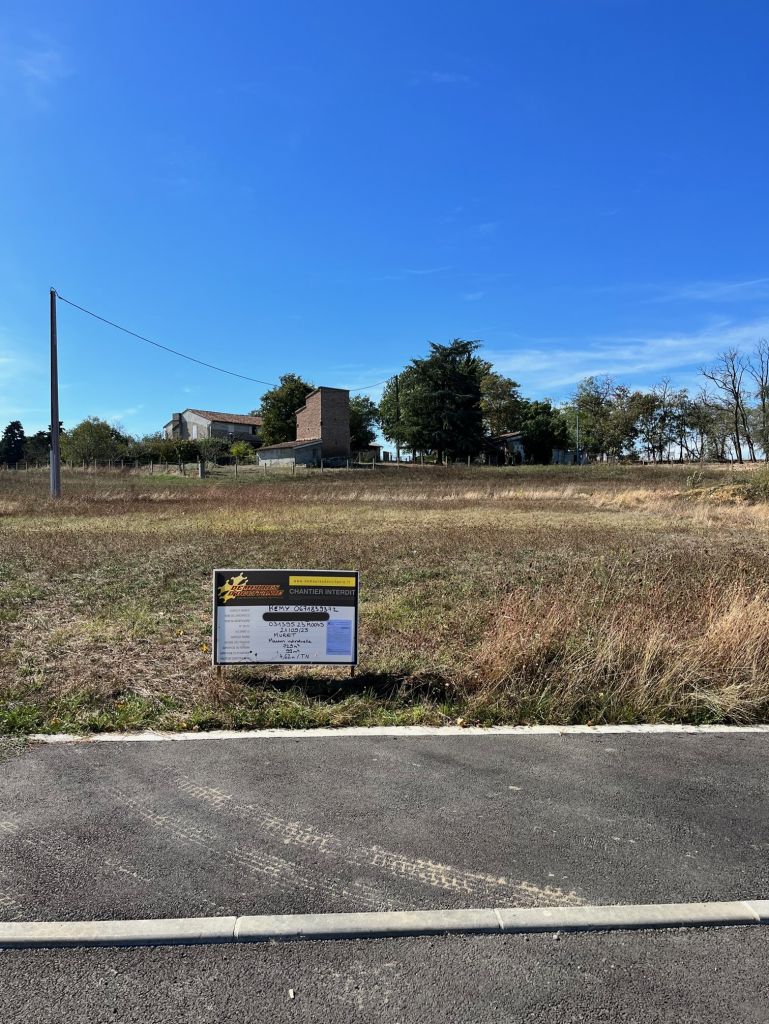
x: 236, y: 468
x: 201, y: 469
x: 152, y: 468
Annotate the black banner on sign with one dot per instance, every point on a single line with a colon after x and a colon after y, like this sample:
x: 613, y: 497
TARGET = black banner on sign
x: 285, y: 617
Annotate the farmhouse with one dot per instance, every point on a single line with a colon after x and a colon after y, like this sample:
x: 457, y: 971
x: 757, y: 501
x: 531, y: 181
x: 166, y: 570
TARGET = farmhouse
x: 322, y: 431
x: 509, y: 447
x: 196, y: 423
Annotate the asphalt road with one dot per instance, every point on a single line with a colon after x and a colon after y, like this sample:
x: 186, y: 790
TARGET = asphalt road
x: 167, y: 829
x: 622, y: 977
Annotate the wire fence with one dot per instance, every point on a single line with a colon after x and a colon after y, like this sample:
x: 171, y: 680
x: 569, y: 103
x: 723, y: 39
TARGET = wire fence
x: 163, y: 467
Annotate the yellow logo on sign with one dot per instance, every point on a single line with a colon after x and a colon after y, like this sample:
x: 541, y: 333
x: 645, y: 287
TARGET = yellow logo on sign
x: 228, y: 589
x: 321, y: 581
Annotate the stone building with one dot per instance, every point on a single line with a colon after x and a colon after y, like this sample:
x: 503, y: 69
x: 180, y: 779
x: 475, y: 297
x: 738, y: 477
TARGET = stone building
x: 322, y: 431
x: 193, y: 424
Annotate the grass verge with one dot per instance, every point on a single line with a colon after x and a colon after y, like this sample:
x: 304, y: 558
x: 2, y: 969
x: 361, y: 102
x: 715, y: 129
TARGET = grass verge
x: 543, y: 595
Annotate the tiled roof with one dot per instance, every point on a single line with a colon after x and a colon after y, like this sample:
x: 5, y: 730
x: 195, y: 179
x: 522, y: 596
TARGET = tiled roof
x: 227, y: 417
x: 288, y: 444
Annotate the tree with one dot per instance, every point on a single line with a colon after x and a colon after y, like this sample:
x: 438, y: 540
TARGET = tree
x: 364, y: 416
x: 435, y: 404
x: 242, y: 451
x: 728, y: 373
x: 212, y: 448
x: 607, y: 417
x: 279, y: 407
x: 150, y: 446
x: 758, y: 368
x: 94, y: 440
x: 37, y: 448
x: 660, y: 416
x: 592, y: 403
x: 396, y: 396
x: 543, y: 428
x: 12, y: 443
x: 183, y: 450
x: 501, y: 403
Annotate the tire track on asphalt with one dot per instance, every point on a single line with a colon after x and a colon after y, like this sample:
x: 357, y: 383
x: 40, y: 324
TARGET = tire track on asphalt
x: 422, y: 871
x: 10, y: 908
x: 56, y: 846
x: 283, y: 874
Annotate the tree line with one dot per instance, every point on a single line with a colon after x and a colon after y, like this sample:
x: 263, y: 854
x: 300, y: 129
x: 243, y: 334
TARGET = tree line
x: 452, y: 404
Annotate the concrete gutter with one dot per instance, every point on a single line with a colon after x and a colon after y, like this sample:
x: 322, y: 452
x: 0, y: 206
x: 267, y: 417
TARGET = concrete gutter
x: 293, y: 927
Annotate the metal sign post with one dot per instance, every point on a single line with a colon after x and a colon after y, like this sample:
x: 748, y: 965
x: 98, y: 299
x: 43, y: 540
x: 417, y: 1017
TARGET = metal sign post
x: 285, y: 617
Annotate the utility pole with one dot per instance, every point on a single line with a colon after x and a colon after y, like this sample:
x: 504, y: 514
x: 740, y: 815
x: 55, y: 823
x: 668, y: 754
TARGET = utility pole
x: 55, y: 455
x: 397, y: 422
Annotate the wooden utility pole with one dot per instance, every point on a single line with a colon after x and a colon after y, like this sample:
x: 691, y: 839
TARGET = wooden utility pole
x: 55, y: 453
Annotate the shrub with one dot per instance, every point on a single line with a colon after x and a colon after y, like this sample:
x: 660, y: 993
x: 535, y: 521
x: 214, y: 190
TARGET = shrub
x: 242, y: 451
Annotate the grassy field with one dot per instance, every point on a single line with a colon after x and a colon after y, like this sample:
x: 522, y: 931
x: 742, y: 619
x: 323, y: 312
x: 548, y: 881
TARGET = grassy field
x: 592, y: 594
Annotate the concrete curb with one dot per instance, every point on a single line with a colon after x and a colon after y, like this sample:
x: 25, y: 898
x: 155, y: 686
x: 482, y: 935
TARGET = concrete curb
x: 292, y: 927
x: 402, y: 731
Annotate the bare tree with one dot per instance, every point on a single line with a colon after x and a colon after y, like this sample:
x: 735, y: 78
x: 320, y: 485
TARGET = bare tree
x: 728, y: 374
x: 758, y: 368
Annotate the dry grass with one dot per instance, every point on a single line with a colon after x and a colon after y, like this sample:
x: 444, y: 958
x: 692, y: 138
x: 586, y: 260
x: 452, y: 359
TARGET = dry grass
x: 522, y: 595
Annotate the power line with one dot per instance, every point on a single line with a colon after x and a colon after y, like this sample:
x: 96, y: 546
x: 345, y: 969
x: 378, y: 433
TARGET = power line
x: 183, y: 355
x: 370, y: 387
x: 165, y: 348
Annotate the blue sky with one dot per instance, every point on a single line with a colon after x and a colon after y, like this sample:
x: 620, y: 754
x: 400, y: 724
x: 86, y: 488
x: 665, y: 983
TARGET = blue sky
x: 324, y: 187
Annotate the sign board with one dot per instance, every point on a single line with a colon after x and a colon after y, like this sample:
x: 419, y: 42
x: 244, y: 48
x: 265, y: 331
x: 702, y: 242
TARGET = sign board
x: 285, y: 617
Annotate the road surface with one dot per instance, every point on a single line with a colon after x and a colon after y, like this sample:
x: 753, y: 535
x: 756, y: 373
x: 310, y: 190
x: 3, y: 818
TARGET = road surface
x: 209, y: 827
x: 618, y: 978
x: 304, y: 824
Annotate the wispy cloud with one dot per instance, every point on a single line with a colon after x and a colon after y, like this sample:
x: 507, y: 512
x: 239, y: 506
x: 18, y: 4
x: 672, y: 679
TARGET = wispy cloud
x: 415, y: 272
x: 716, y: 291
x: 437, y: 77
x: 750, y: 290
x: 118, y: 415
x: 39, y: 71
x: 424, y: 271
x: 8, y: 367
x: 45, y: 66
x: 487, y: 228
x: 472, y: 296
x: 14, y: 366
x: 16, y: 371
x: 553, y: 367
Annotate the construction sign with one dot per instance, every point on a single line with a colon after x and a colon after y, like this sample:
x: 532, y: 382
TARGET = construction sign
x: 285, y: 617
